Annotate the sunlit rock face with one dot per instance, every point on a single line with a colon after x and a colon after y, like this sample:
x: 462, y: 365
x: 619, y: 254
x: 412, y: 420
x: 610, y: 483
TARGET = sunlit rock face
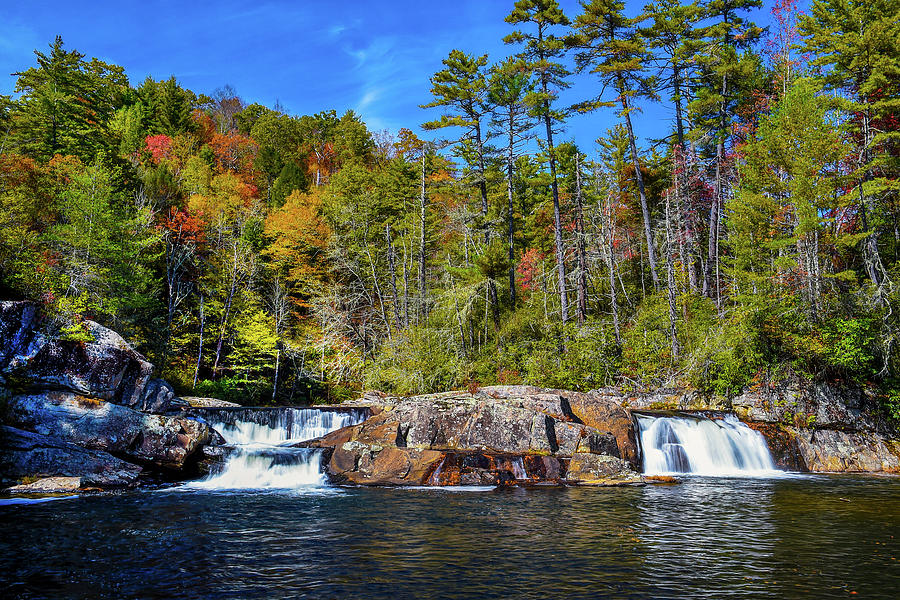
x: 35, y: 357
x: 98, y: 425
x: 87, y: 408
x: 28, y: 454
x: 495, y: 436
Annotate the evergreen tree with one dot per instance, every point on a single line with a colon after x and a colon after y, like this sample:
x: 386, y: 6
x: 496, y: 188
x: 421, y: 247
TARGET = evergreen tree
x: 672, y: 37
x: 854, y: 48
x: 541, y: 53
x: 461, y: 89
x: 289, y: 180
x: 784, y: 219
x: 723, y: 76
x: 65, y: 104
x: 611, y: 47
x: 509, y: 88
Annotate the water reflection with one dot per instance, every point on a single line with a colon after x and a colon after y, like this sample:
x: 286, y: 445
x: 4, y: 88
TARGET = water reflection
x: 705, y: 538
x: 714, y: 537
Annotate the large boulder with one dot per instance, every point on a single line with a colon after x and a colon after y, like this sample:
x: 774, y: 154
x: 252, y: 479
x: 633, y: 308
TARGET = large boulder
x: 98, y: 425
x: 598, y: 469
x: 27, y: 454
x: 813, y: 405
x: 36, y: 357
x: 831, y: 451
x: 604, y: 410
x: 494, y: 436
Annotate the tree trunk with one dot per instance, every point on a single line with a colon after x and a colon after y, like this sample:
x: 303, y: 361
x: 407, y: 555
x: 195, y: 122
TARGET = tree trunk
x: 422, y: 218
x: 582, y: 258
x: 557, y: 221
x: 679, y: 125
x: 611, y: 266
x: 393, y: 267
x: 234, y: 278
x: 407, y: 261
x: 277, y: 364
x: 639, y: 180
x: 200, y: 348
x: 510, y: 225
x: 670, y: 280
x: 482, y: 184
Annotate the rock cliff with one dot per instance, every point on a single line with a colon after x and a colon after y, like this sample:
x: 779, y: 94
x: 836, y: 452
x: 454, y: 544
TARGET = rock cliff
x: 90, y: 410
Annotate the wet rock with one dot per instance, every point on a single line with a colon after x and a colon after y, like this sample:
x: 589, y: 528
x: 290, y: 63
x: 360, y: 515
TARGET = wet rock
x: 513, y: 433
x: 600, y: 469
x: 48, y: 485
x: 782, y: 443
x: 606, y: 412
x: 36, y: 358
x: 831, y: 451
x: 94, y: 424
x: 469, y: 423
x: 27, y: 454
x: 814, y: 405
x: 158, y: 396
x: 363, y: 464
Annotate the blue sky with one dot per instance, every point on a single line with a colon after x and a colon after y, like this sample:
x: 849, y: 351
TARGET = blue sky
x: 374, y: 57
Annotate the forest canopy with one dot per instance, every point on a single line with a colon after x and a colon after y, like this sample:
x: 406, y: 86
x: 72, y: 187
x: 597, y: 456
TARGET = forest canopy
x: 260, y: 256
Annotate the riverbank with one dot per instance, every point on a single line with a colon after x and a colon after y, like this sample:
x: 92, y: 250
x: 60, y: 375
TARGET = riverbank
x: 88, y: 414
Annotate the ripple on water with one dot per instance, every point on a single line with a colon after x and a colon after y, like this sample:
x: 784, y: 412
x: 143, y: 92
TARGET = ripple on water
x: 811, y: 537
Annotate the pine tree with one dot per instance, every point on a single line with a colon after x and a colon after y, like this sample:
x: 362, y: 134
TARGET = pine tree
x: 610, y: 46
x: 722, y: 73
x: 854, y: 48
x: 783, y: 219
x: 509, y: 87
x: 65, y: 104
x: 461, y: 89
x: 542, y: 51
x: 673, y: 39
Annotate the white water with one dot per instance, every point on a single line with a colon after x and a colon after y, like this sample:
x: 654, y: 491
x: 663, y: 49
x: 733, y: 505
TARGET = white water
x: 518, y: 468
x: 263, y: 457
x: 702, y: 446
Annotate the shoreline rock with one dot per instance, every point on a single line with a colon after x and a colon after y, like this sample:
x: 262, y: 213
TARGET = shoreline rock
x: 88, y: 409
x: 465, y: 437
x: 27, y: 454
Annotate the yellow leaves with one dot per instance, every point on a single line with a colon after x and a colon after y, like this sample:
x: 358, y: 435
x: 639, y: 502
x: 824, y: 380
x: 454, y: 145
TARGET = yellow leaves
x: 227, y: 197
x: 299, y: 222
x: 299, y: 237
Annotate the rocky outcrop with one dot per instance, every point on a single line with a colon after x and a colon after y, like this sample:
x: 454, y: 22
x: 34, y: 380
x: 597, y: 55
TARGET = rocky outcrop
x: 809, y: 426
x: 88, y: 409
x: 822, y: 428
x: 831, y: 451
x: 496, y: 436
x: 97, y: 425
x: 36, y: 357
x: 197, y: 402
x: 521, y: 434
x: 27, y: 454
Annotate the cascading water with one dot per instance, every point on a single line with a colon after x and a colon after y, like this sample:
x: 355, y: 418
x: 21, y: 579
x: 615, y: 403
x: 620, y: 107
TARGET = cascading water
x: 702, y: 446
x: 263, y: 456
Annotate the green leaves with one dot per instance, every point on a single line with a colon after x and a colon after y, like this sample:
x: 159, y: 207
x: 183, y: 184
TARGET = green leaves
x: 65, y: 104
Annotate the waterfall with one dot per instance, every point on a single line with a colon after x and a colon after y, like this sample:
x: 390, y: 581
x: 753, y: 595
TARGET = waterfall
x: 518, y: 468
x: 263, y: 456
x: 702, y: 446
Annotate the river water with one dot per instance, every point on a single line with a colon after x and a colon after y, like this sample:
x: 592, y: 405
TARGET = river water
x: 789, y: 537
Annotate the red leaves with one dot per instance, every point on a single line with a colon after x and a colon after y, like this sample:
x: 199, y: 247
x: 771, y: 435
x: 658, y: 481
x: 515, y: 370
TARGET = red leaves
x: 235, y: 153
x: 529, y: 267
x: 159, y: 147
x: 185, y: 226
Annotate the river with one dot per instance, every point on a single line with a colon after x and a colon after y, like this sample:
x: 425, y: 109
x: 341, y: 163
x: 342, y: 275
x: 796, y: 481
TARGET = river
x: 809, y: 536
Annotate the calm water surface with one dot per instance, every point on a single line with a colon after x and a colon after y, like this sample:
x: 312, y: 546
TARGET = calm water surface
x: 804, y: 537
